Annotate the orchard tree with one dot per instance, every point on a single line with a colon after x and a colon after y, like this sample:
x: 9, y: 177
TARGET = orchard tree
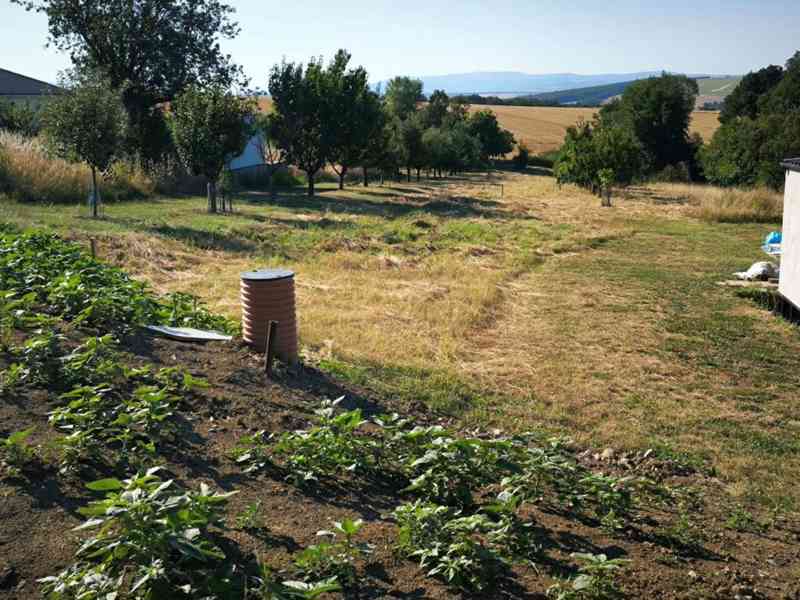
x: 495, y: 141
x: 304, y: 111
x: 402, y: 96
x: 658, y: 112
x: 210, y: 126
x: 354, y: 116
x: 435, y: 111
x: 87, y: 124
x: 381, y: 152
x: 410, y: 145
x: 149, y: 50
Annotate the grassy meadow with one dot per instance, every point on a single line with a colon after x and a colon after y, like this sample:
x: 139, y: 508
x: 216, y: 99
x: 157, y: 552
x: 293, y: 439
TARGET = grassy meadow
x: 509, y: 303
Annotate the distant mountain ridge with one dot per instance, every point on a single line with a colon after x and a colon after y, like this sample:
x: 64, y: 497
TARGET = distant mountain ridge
x: 522, y: 84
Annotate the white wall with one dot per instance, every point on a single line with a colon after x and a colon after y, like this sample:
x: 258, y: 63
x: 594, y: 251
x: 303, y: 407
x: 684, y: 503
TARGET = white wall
x: 790, y: 248
x: 250, y: 157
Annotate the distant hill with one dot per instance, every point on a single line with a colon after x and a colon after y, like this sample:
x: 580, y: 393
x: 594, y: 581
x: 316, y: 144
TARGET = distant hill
x: 512, y: 83
x: 712, y: 90
x: 588, y: 96
x: 521, y: 84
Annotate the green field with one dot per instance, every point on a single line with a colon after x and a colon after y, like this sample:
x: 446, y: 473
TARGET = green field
x: 718, y: 86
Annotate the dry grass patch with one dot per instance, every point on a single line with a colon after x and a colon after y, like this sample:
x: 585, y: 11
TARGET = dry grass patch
x: 35, y: 175
x: 731, y: 205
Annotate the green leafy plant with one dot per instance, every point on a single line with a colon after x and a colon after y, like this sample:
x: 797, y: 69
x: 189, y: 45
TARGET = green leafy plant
x: 253, y: 452
x: 330, y: 447
x: 612, y: 498
x: 459, y: 549
x: 86, y: 292
x: 742, y: 520
x: 37, y: 361
x: 269, y: 588
x: 103, y: 416
x: 595, y: 579
x: 150, y: 540
x: 15, y: 453
x: 335, y: 558
x: 451, y: 469
x: 250, y: 518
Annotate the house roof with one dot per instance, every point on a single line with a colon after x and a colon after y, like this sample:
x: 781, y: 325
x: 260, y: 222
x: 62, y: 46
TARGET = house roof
x: 14, y: 84
x: 791, y: 164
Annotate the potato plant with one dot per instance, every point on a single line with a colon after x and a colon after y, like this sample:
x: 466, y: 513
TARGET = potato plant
x: 458, y: 549
x: 15, y: 453
x: 595, y: 579
x: 335, y: 558
x: 60, y: 276
x: 150, y: 540
x: 332, y: 446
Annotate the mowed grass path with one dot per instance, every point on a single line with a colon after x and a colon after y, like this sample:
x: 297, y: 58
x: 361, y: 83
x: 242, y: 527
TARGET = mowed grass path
x: 534, y: 308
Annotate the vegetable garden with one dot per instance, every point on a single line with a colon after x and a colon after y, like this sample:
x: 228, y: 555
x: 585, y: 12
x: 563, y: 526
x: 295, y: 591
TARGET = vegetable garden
x: 176, y: 471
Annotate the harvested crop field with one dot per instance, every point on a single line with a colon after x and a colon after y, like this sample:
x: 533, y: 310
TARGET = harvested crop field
x: 542, y: 128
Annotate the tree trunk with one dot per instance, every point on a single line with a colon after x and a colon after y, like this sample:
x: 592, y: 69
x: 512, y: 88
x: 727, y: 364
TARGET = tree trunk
x: 382, y: 178
x: 212, y: 196
x: 408, y: 174
x: 310, y: 185
x: 418, y: 175
x: 366, y: 177
x: 341, y: 178
x: 94, y: 193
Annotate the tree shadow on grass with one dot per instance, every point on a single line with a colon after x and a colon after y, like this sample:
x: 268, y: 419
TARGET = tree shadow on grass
x: 401, y: 206
x: 205, y: 240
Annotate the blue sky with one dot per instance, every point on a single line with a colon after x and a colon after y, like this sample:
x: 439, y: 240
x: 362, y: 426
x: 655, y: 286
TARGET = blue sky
x: 437, y: 37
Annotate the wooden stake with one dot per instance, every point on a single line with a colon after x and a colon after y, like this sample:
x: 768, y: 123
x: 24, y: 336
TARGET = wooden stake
x: 93, y: 247
x: 269, y: 349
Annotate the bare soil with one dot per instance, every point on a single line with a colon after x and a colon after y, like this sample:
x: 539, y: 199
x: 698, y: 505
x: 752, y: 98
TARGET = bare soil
x: 38, y: 511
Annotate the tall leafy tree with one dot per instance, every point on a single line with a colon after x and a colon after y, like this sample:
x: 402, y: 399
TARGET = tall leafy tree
x: 436, y: 109
x: 210, y: 127
x: 149, y: 50
x: 402, y: 96
x: 495, y: 141
x: 380, y: 152
x: 354, y: 116
x: 748, y: 148
x: 744, y: 100
x: 87, y: 124
x: 409, y: 142
x: 785, y: 96
x: 306, y: 100
x: 658, y: 111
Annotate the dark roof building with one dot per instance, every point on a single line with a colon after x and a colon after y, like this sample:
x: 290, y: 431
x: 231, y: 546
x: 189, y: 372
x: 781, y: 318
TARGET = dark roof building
x: 13, y: 85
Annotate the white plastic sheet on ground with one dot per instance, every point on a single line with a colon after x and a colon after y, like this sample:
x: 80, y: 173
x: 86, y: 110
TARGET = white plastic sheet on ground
x: 189, y: 334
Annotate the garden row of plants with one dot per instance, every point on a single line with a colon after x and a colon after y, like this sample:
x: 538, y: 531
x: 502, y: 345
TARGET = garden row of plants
x: 464, y: 503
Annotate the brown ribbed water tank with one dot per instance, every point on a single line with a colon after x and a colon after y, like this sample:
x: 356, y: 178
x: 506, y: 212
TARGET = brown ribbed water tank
x: 268, y: 295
